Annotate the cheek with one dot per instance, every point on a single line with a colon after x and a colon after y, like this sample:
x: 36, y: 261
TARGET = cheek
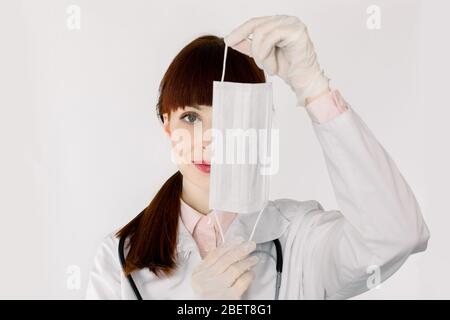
x: 182, y: 141
x: 187, y: 144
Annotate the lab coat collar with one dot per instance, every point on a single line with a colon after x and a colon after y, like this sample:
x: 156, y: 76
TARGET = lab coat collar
x: 271, y: 225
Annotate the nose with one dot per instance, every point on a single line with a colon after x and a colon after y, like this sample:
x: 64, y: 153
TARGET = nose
x: 207, y: 152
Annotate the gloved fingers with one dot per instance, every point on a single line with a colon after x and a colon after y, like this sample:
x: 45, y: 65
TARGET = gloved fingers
x: 261, y: 31
x: 264, y: 50
x: 237, y: 269
x: 273, y: 34
x: 214, y: 255
x: 268, y: 50
x: 266, y: 61
x: 241, y: 285
x: 245, y: 47
x: 270, y: 63
x: 282, y: 65
x: 238, y: 38
x: 281, y: 36
x: 244, y: 30
x: 232, y: 256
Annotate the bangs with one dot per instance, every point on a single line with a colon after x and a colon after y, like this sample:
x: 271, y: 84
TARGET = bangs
x: 189, y: 78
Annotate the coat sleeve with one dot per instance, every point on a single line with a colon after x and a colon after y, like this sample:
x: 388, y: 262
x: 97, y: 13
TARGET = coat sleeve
x: 105, y: 276
x: 379, y: 224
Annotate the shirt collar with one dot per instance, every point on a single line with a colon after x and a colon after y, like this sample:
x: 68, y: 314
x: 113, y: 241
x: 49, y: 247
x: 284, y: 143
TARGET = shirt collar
x: 190, y: 217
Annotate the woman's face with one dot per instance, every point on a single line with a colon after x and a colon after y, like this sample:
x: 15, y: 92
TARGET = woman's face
x: 189, y: 131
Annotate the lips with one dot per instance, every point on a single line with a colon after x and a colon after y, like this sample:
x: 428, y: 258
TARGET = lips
x: 203, y: 166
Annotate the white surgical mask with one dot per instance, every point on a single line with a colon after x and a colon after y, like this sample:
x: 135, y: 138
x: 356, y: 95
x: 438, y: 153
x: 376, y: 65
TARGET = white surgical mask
x: 242, y: 115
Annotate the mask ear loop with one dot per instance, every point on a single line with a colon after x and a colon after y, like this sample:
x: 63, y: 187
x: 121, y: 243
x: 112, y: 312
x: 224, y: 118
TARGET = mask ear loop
x: 224, y: 62
x: 256, y: 223
x: 220, y: 226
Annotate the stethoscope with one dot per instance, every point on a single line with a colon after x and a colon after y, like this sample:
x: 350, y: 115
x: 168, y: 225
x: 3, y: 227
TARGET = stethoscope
x: 279, y: 268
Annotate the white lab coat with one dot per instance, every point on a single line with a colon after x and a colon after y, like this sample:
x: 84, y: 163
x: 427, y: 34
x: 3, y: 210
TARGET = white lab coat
x: 333, y: 254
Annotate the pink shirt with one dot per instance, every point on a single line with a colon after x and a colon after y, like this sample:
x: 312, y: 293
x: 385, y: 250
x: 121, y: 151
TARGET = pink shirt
x: 204, y: 228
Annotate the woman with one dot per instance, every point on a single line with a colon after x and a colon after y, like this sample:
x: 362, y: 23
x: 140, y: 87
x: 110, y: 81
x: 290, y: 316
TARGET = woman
x: 171, y: 246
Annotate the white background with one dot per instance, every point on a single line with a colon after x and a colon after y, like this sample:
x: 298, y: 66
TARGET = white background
x: 82, y: 151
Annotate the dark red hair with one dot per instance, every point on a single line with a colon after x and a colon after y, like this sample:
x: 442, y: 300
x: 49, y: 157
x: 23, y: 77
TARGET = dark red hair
x: 187, y: 81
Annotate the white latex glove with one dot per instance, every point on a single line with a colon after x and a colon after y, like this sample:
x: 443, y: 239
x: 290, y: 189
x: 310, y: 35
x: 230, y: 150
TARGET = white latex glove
x: 281, y: 46
x: 224, y: 273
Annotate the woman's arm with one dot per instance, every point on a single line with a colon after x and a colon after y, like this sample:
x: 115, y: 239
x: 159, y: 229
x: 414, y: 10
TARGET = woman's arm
x: 379, y: 223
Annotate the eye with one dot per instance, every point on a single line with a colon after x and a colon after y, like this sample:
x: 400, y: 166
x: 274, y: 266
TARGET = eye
x: 190, y: 117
